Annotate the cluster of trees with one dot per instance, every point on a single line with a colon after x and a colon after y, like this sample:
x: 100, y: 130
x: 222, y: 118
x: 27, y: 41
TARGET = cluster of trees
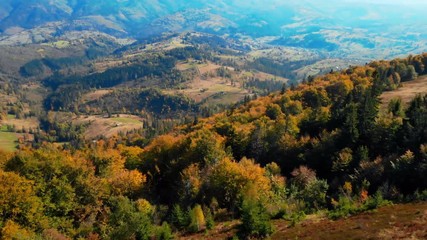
x: 155, y: 70
x: 156, y: 66
x: 264, y: 87
x: 52, y: 194
x: 321, y: 145
x: 283, y: 69
x: 134, y: 101
x: 326, y: 137
x: 392, y: 73
x: 45, y: 66
x: 59, y: 129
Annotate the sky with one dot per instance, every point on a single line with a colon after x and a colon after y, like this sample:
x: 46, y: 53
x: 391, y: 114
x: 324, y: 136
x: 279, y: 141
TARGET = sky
x: 394, y: 2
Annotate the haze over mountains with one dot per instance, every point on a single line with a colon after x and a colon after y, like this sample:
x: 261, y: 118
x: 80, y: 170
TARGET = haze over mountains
x: 363, y: 29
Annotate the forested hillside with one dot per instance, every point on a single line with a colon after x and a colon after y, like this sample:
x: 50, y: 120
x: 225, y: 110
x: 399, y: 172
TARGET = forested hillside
x: 323, y: 145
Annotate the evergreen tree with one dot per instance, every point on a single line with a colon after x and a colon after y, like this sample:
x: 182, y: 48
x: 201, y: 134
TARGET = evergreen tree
x: 351, y: 123
x: 255, y: 220
x: 367, y: 113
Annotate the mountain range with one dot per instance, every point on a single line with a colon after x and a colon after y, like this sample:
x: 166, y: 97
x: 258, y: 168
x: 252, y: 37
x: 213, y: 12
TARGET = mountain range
x: 340, y: 27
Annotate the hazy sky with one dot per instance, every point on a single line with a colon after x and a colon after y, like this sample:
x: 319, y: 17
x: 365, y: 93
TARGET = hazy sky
x: 394, y: 2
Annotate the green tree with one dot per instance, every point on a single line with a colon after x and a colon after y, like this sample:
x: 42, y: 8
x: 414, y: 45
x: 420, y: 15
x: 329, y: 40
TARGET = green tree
x: 273, y: 111
x: 367, y: 113
x: 396, y: 107
x: 164, y: 232
x: 126, y: 221
x: 414, y: 129
x: 255, y: 220
x: 179, y: 218
x: 351, y: 123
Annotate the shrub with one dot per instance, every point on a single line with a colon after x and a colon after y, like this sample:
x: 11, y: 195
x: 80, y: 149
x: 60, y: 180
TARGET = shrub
x: 420, y: 196
x: 343, y: 208
x: 295, y: 217
x: 375, y: 202
x: 346, y: 206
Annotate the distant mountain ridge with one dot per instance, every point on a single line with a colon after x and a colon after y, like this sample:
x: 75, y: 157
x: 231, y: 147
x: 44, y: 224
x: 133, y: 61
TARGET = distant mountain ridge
x: 345, y: 28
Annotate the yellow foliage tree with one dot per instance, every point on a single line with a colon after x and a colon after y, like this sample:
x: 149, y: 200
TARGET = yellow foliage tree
x: 18, y: 201
x: 191, y: 181
x: 13, y: 231
x: 197, y: 219
x: 228, y: 178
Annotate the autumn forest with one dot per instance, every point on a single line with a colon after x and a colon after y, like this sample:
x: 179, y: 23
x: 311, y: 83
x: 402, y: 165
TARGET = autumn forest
x: 329, y: 144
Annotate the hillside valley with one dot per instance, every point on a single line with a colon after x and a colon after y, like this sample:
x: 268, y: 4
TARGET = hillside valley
x: 160, y: 119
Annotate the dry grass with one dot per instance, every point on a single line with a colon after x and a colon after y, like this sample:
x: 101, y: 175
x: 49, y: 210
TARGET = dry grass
x: 217, y: 90
x: 262, y: 76
x: 96, y: 95
x: 4, y: 98
x: 21, y: 123
x: 407, y: 92
x: 201, y: 67
x: 8, y: 141
x: 405, y: 221
x: 199, y: 89
x: 108, y: 127
x: 417, y: 229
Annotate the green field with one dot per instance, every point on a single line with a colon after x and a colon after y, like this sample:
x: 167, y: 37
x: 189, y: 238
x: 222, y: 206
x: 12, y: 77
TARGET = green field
x: 126, y: 120
x: 8, y: 141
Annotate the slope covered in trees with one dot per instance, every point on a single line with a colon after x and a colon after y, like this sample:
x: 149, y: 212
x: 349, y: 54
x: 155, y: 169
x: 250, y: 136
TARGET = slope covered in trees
x: 322, y: 145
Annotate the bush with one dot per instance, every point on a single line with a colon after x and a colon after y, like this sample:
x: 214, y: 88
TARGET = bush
x: 375, y: 202
x: 346, y: 206
x: 295, y: 218
x: 420, y: 196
